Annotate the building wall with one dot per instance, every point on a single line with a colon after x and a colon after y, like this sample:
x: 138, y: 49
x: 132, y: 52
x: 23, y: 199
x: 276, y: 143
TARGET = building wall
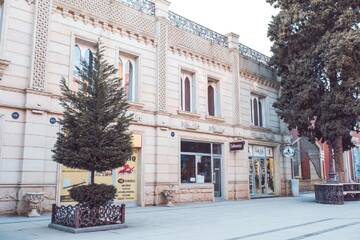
x: 30, y: 87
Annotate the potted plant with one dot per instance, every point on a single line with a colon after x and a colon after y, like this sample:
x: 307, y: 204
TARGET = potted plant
x: 94, y: 136
x: 169, y: 195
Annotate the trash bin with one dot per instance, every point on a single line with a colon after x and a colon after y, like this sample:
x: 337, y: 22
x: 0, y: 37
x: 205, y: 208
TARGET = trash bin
x: 295, y: 187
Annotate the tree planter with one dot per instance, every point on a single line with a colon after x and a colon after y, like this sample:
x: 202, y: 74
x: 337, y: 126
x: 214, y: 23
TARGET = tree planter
x: 79, y: 218
x: 169, y: 197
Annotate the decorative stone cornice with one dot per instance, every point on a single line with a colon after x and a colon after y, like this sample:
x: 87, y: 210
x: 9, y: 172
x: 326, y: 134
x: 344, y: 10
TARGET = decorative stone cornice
x: 204, y: 59
x: 272, y: 83
x: 113, y: 16
x: 3, y: 65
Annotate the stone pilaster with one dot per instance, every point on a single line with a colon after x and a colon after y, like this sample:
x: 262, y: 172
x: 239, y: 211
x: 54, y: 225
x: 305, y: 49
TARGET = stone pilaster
x: 162, y: 22
x: 40, y: 45
x: 233, y: 42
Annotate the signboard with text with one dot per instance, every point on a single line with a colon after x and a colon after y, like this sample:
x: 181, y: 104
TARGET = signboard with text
x: 239, y: 145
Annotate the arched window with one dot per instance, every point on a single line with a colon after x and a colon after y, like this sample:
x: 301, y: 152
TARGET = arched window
x: 127, y: 75
x: 88, y: 58
x: 131, y: 82
x: 187, y: 89
x: 120, y: 70
x: 260, y: 115
x: 77, y: 59
x: 211, y: 100
x: 251, y: 111
x: 256, y: 123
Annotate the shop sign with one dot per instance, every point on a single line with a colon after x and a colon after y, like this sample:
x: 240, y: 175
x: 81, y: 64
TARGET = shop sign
x: 288, y: 151
x: 239, y: 145
x: 259, y: 151
x: 127, y: 179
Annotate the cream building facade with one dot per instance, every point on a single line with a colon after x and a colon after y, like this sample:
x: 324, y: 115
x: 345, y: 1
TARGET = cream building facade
x: 193, y: 92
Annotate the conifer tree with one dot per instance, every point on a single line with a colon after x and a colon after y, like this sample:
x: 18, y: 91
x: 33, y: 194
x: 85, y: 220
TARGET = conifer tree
x: 316, y: 51
x: 94, y: 132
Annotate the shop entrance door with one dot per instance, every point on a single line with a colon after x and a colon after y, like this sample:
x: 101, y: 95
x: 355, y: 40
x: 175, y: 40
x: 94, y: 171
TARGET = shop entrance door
x: 217, y: 176
x: 261, y: 177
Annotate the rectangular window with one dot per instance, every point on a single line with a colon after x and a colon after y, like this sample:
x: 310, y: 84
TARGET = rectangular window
x: 213, y: 95
x: 257, y: 110
x: 197, y: 161
x: 187, y: 89
x: 127, y: 71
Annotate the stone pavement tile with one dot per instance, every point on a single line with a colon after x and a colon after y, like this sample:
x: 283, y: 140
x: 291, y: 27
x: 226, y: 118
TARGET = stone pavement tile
x: 217, y: 221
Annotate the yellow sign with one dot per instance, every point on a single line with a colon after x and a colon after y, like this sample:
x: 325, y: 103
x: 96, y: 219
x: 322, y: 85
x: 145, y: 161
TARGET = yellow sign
x: 71, y: 178
x: 126, y: 178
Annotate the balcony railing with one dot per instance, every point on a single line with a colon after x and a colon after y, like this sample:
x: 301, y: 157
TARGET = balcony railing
x: 148, y: 7
x: 197, y: 29
x: 144, y: 6
x: 253, y: 54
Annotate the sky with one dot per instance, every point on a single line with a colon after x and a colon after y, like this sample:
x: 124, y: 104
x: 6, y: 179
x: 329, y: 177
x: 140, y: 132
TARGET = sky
x: 248, y: 18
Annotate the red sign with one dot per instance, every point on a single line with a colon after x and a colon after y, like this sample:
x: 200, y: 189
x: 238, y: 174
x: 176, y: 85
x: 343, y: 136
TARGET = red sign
x: 239, y: 145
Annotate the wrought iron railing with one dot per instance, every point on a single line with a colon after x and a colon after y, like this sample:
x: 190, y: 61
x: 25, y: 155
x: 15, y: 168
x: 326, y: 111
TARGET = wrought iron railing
x: 144, y: 6
x: 197, y: 29
x: 183, y: 23
x: 253, y: 54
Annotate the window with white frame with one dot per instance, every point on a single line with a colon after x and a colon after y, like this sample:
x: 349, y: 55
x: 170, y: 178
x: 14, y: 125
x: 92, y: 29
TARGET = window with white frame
x: 187, y: 86
x: 213, y: 95
x: 128, y: 75
x: 257, y: 110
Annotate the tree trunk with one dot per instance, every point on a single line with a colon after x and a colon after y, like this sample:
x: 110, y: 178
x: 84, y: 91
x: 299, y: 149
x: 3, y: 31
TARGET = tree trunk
x: 339, y: 160
x: 92, y: 180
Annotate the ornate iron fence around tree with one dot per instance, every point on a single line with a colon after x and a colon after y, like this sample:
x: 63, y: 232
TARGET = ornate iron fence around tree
x: 79, y: 216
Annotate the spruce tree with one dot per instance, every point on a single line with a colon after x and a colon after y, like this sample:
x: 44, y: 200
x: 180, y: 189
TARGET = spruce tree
x: 316, y: 51
x: 94, y: 132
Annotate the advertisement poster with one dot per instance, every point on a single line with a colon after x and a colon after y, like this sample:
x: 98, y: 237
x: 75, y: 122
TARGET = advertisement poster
x: 70, y: 178
x: 356, y: 161
x: 124, y: 178
x: 127, y: 179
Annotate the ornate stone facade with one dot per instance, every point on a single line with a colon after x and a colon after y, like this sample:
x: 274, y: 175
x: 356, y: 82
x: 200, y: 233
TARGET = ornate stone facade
x: 162, y: 48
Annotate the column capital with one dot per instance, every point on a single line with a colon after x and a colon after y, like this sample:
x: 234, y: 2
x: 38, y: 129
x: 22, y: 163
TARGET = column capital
x: 162, y: 8
x: 233, y: 40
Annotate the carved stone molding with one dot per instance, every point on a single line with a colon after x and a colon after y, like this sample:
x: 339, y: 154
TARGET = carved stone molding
x: 216, y: 129
x: 3, y: 65
x: 190, y: 125
x: 43, y: 10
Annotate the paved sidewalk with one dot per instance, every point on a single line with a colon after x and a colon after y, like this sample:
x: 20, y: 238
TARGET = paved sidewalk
x: 260, y: 219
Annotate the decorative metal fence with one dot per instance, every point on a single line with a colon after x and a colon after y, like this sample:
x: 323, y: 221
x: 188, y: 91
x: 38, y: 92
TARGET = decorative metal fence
x: 78, y: 216
x: 253, y: 54
x: 144, y: 6
x: 183, y: 23
x: 197, y: 29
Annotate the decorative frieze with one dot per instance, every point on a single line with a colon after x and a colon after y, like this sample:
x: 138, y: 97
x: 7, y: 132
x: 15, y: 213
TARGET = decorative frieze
x: 190, y: 125
x: 109, y: 12
x: 273, y: 83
